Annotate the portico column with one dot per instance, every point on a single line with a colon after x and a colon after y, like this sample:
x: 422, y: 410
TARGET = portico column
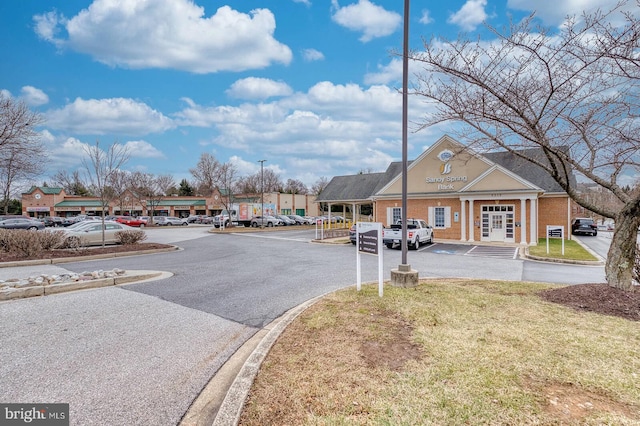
x: 463, y: 219
x: 471, y: 229
x: 533, y: 240
x: 523, y: 221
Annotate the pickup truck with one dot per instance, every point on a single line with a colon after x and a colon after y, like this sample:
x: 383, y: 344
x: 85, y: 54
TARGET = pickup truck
x: 418, y: 232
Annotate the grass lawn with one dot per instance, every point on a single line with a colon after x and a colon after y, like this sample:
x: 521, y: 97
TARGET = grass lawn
x: 572, y: 250
x: 449, y: 352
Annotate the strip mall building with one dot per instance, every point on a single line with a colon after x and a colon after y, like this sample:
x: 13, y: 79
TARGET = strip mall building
x: 47, y: 201
x: 494, y: 197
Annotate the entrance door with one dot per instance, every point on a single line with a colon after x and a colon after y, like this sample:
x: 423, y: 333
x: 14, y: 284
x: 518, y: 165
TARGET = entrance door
x: 497, y: 229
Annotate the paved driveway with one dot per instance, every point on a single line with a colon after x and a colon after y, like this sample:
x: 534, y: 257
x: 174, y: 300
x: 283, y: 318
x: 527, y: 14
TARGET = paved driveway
x: 139, y: 354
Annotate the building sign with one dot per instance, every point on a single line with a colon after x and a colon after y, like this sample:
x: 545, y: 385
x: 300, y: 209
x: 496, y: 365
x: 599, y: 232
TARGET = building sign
x: 445, y: 183
x: 37, y: 209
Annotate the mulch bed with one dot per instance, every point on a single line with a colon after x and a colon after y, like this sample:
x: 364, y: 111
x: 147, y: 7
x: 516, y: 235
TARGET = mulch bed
x: 56, y: 254
x: 599, y: 298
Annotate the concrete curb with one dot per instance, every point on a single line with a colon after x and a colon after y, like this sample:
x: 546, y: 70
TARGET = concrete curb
x: 232, y: 405
x: 54, y: 261
x: 46, y: 290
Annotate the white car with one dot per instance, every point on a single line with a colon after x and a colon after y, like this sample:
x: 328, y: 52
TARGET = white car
x: 90, y: 233
x: 169, y: 221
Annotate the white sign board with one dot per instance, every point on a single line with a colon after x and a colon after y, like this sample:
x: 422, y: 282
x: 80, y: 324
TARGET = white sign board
x: 369, y: 241
x: 555, y: 231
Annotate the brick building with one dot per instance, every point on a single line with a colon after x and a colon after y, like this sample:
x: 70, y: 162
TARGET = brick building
x: 45, y: 201
x: 493, y: 197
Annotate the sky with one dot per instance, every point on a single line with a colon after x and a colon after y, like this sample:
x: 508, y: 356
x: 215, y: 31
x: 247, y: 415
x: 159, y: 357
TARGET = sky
x: 310, y: 86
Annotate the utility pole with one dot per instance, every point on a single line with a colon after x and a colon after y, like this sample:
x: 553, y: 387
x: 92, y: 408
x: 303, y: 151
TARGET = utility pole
x: 404, y: 276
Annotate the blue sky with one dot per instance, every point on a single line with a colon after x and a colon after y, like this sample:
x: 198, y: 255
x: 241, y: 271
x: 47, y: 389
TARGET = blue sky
x: 310, y: 86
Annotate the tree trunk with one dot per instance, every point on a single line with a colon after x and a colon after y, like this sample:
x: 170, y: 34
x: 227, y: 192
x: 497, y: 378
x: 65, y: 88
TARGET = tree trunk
x: 622, y: 252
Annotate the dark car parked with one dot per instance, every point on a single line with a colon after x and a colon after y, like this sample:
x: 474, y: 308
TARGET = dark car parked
x: 21, y: 223
x: 52, y: 221
x: 584, y: 225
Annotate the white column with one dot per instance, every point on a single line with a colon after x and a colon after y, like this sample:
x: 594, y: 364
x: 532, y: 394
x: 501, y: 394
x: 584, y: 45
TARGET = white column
x: 533, y: 223
x: 471, y: 228
x: 523, y: 221
x: 463, y: 219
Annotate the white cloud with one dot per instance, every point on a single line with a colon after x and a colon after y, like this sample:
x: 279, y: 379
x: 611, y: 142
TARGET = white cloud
x: 143, y: 149
x: 470, y: 15
x: 554, y: 12
x: 33, y: 96
x: 258, y: 88
x: 386, y: 73
x: 6, y: 93
x: 128, y: 33
x: 108, y: 116
x: 425, y: 18
x: 310, y: 55
x: 372, y: 20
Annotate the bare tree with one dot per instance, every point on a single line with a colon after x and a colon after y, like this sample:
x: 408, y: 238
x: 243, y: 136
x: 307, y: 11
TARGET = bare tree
x: 572, y: 95
x: 206, y: 173
x: 119, y: 183
x: 18, y: 165
x: 248, y: 184
x: 150, y: 189
x: 225, y: 184
x: 21, y: 152
x: 295, y: 186
x: 71, y: 183
x: 320, y: 184
x: 100, y: 167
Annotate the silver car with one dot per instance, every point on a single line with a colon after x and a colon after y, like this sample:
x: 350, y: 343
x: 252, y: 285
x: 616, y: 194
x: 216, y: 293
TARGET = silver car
x: 21, y: 223
x: 90, y: 233
x: 269, y: 221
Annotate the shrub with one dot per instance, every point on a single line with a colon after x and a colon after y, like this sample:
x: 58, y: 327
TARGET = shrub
x: 130, y: 236
x: 50, y: 240
x: 22, y: 242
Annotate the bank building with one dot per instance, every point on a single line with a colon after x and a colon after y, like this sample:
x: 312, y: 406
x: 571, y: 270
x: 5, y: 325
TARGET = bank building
x: 495, y: 197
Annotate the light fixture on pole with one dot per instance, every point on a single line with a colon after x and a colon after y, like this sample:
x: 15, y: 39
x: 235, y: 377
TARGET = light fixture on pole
x: 404, y: 276
x: 262, y: 191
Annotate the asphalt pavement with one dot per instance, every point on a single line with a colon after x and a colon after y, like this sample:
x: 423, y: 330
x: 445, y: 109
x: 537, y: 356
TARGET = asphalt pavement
x: 142, y: 354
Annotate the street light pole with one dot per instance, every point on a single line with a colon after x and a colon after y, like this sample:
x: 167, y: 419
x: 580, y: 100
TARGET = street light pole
x: 404, y: 276
x: 262, y: 191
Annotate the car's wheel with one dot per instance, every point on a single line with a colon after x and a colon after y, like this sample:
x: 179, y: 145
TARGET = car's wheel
x: 269, y: 224
x: 416, y: 245
x: 389, y: 245
x: 32, y: 228
x: 431, y: 239
x: 254, y: 224
x: 353, y: 242
x: 142, y: 225
x: 595, y: 233
x: 185, y: 224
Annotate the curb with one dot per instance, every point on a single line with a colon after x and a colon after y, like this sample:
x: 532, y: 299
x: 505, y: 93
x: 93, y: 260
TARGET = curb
x: 46, y: 290
x: 222, y: 400
x: 54, y: 261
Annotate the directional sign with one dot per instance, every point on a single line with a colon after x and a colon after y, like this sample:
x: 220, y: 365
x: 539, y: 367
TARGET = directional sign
x: 368, y: 236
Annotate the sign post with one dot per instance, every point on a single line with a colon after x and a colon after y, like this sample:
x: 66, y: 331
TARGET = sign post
x: 369, y: 241
x: 555, y: 231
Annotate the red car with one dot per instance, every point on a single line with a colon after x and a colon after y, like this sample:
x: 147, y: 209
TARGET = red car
x: 131, y: 221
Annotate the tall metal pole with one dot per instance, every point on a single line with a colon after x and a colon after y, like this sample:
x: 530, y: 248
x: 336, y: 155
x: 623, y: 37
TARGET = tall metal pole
x: 405, y: 85
x: 262, y: 190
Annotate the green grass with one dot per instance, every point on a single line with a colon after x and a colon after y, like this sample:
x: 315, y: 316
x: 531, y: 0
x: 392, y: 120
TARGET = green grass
x: 572, y: 250
x: 482, y: 353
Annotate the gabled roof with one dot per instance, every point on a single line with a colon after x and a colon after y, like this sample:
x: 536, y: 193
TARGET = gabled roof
x: 363, y: 187
x: 44, y: 189
x: 527, y: 170
x: 350, y: 188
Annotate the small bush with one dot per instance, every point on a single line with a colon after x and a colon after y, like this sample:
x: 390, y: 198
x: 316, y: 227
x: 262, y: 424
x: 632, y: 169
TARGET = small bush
x: 50, y: 240
x: 130, y: 237
x: 22, y: 242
